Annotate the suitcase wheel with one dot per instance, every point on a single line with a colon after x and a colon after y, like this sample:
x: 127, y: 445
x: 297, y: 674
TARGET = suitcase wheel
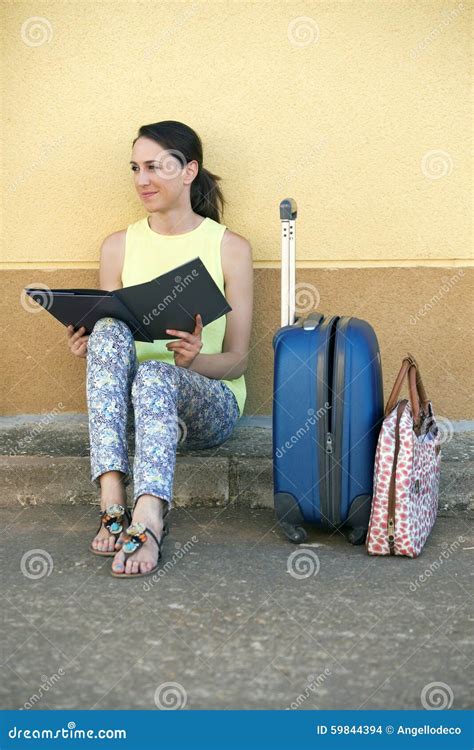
x: 289, y: 517
x: 297, y: 535
x: 357, y: 535
x: 358, y: 521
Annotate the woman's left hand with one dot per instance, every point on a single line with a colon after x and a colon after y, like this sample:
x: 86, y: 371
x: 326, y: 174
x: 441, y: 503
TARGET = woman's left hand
x: 189, y: 346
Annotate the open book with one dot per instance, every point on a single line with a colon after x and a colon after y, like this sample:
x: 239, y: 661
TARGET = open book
x: 172, y: 300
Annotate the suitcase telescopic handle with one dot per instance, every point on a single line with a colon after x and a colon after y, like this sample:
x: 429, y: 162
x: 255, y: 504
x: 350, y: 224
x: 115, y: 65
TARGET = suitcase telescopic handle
x: 288, y: 214
x: 288, y: 209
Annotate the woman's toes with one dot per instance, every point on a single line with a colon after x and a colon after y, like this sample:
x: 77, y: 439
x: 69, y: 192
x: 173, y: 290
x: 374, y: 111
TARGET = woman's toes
x: 145, y: 567
x: 105, y: 544
x: 117, y: 564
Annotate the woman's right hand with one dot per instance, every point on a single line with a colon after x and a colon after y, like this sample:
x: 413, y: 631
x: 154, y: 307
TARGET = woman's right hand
x: 77, y: 341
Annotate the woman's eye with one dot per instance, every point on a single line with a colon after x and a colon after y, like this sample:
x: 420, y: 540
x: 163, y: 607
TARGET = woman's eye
x: 151, y: 166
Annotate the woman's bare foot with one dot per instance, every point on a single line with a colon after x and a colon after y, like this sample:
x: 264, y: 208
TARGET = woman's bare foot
x: 149, y: 511
x: 112, y: 492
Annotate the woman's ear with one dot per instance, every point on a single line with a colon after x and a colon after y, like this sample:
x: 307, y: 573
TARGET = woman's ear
x: 191, y: 171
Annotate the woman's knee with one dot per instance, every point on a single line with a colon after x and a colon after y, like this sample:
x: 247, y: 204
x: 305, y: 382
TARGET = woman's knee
x: 109, y: 327
x: 154, y: 372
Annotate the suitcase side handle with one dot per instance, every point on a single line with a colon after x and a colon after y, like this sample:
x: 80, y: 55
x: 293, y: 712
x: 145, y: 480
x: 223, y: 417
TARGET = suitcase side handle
x: 288, y: 214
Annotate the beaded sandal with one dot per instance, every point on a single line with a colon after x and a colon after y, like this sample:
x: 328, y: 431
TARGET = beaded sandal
x: 134, y: 538
x: 113, y: 519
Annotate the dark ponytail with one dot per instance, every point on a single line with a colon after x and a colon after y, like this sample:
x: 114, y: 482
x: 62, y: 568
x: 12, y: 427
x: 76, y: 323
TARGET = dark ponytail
x: 184, y: 143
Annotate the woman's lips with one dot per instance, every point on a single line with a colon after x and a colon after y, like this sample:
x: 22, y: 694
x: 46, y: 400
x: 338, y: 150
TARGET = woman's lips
x: 148, y: 195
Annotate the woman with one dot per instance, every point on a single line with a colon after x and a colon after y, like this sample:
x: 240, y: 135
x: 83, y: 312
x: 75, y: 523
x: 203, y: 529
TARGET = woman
x: 194, y: 384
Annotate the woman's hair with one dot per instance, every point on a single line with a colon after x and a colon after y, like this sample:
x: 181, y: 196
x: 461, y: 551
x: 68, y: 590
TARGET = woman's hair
x: 206, y: 195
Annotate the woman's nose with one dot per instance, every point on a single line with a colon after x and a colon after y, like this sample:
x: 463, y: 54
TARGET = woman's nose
x: 143, y: 178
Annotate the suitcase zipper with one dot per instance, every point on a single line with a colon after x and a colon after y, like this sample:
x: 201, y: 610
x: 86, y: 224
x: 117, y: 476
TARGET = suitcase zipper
x: 325, y: 380
x: 329, y: 448
x: 337, y: 409
x: 391, y: 490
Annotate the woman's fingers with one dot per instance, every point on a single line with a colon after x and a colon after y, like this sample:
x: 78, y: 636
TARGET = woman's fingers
x: 181, y: 345
x: 180, y: 334
x: 76, y: 338
x: 75, y: 335
x: 81, y: 351
x: 78, y: 342
x: 79, y: 334
x: 199, y: 326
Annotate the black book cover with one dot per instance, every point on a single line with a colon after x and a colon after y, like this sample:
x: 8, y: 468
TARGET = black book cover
x: 169, y: 301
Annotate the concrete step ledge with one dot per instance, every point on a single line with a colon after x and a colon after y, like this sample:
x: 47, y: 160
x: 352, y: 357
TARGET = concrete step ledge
x: 199, y: 481
x: 45, y: 459
x: 207, y: 481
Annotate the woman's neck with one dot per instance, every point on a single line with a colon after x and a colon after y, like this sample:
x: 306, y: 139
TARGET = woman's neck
x: 174, y: 223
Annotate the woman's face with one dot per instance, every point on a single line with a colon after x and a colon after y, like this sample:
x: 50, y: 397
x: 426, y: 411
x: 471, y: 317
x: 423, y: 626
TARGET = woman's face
x: 158, y: 175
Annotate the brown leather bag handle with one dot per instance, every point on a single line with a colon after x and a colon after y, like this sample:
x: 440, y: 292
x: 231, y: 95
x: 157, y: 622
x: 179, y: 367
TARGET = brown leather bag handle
x: 416, y: 389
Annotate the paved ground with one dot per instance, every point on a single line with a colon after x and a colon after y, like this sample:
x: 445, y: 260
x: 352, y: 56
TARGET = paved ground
x: 226, y: 622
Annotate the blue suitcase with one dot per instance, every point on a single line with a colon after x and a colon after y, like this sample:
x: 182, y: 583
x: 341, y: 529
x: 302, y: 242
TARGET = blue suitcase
x: 327, y: 412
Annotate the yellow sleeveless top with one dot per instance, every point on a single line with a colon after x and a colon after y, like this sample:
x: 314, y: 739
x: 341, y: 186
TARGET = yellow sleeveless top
x: 149, y: 254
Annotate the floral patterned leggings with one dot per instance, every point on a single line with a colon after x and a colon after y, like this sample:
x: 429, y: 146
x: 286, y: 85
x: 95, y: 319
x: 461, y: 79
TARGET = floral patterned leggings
x: 171, y: 405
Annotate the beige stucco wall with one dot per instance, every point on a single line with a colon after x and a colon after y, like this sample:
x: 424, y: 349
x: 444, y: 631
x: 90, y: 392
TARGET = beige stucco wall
x: 362, y: 111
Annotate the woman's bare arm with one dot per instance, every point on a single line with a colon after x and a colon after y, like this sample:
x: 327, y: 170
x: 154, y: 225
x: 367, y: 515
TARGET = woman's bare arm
x: 236, y: 254
x: 112, y: 255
